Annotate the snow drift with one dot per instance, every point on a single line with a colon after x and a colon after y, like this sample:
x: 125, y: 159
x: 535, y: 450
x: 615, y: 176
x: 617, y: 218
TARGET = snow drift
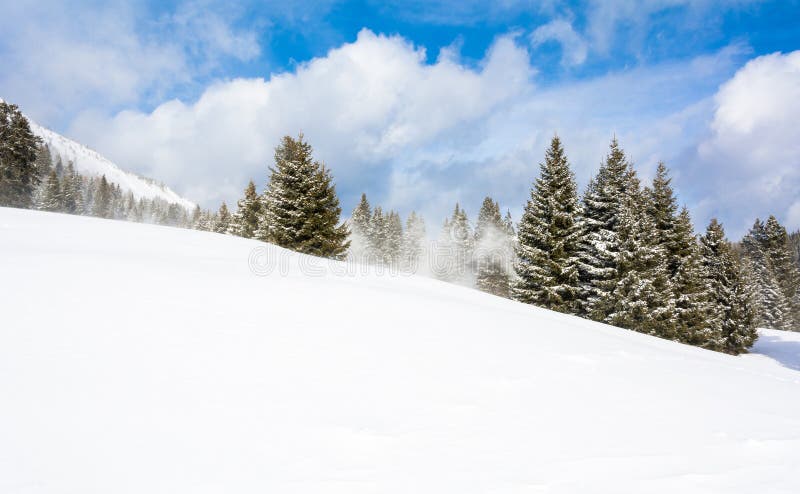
x: 138, y: 358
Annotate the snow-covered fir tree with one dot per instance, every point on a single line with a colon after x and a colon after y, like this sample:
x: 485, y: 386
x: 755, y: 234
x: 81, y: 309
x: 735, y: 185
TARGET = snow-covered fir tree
x: 245, y: 221
x: 600, y: 244
x: 301, y: 209
x: 694, y: 311
x: 774, y: 309
x: 548, y: 237
x: 413, y: 247
x: 52, y: 199
x: 492, y: 253
x: 222, y: 220
x: 453, y: 253
x: 734, y: 323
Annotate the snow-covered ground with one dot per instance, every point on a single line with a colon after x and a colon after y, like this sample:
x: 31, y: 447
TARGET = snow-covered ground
x: 143, y: 359
x: 90, y: 162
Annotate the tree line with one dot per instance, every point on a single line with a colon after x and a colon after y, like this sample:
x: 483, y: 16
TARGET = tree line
x: 621, y: 253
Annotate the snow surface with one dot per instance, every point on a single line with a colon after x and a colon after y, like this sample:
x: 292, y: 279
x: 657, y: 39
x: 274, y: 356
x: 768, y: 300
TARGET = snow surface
x: 90, y: 162
x: 144, y: 359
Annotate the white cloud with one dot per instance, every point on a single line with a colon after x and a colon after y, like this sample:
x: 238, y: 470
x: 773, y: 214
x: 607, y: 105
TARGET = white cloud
x: 573, y: 46
x: 409, y: 133
x: 69, y: 56
x: 753, y: 151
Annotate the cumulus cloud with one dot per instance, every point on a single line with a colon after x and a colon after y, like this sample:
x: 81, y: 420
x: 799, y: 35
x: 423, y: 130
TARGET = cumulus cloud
x: 411, y: 134
x: 573, y: 46
x: 752, y: 155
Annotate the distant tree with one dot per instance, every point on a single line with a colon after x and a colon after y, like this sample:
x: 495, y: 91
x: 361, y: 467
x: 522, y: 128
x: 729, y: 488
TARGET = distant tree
x: 223, y: 219
x: 493, y: 250
x: 245, y: 221
x: 102, y: 199
x: 52, y: 199
x: 548, y: 237
x: 19, y: 174
x: 774, y: 308
x: 413, y: 242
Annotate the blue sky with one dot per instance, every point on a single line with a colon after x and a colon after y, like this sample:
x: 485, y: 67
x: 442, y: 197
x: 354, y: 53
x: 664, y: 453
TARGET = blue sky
x: 422, y: 104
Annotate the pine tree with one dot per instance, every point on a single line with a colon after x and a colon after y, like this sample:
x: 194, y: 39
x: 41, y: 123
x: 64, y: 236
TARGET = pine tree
x: 733, y: 328
x: 377, y: 233
x: 394, y: 238
x: 694, y: 311
x: 774, y: 310
x: 223, y: 219
x: 19, y: 174
x: 454, y: 249
x: 548, y: 236
x: 245, y: 222
x: 71, y: 189
x: 52, y: 199
x: 641, y: 299
x: 663, y: 210
x: 102, y: 199
x: 786, y: 272
x: 412, y: 249
x: 600, y: 245
x: 492, y: 250
x: 360, y: 219
x: 301, y: 207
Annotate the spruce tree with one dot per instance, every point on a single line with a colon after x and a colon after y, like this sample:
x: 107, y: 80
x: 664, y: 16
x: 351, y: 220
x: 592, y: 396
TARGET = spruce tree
x: 245, y: 222
x: 223, y: 219
x: 694, y: 312
x: 774, y: 310
x: 394, y: 238
x: 733, y: 328
x: 102, y: 199
x: 377, y: 233
x: 19, y: 174
x: 301, y: 207
x: 360, y: 219
x: 600, y: 246
x: 413, y: 243
x: 786, y: 272
x: 548, y: 237
x: 52, y: 199
x: 492, y: 250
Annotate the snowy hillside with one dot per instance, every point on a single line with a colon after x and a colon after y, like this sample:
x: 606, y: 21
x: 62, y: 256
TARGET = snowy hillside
x: 136, y: 358
x: 90, y: 162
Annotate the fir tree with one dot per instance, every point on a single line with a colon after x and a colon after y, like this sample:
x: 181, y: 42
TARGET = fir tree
x: 413, y: 238
x: 786, y: 272
x: 19, y: 175
x: 102, y: 199
x: 301, y: 207
x: 52, y: 199
x: 694, y: 312
x: 377, y: 234
x: 548, y: 236
x: 600, y: 244
x: 454, y: 249
x: 774, y: 309
x: 360, y: 219
x: 492, y: 250
x: 394, y: 238
x: 223, y: 219
x: 733, y: 326
x: 245, y: 222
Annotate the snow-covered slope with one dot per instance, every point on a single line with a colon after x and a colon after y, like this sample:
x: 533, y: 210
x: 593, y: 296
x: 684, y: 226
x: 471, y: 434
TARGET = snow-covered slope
x: 137, y: 358
x: 90, y: 162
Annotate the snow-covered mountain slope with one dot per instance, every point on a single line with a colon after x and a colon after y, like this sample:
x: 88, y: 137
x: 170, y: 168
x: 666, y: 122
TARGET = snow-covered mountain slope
x: 90, y: 162
x: 136, y: 358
